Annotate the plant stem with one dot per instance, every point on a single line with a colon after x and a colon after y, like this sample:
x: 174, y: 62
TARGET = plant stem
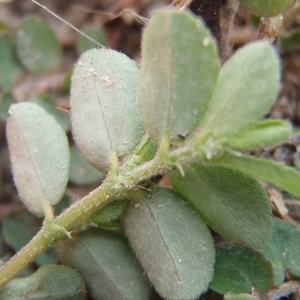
x: 40, y: 243
x: 76, y: 214
x: 61, y: 228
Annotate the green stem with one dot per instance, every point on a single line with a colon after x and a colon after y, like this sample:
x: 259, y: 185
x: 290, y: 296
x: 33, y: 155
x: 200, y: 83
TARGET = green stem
x: 113, y: 187
x: 40, y: 243
x: 50, y: 233
x: 74, y: 216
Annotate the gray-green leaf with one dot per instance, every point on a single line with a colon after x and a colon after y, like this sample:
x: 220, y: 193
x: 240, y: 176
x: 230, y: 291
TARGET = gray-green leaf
x: 104, y: 113
x: 10, y: 68
x: 246, y: 89
x: 232, y: 203
x: 37, y: 46
x: 179, y: 71
x: 172, y: 243
x: 40, y: 156
x: 107, y: 264
x: 48, y: 282
x: 260, y: 134
x: 238, y: 269
x: 283, y: 249
x: 283, y: 176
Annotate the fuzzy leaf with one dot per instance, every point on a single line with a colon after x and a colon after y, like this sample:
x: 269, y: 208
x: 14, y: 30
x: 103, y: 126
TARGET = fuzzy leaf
x: 246, y: 89
x: 81, y: 172
x: 283, y: 176
x: 107, y: 264
x: 283, y: 250
x: 292, y: 260
x: 48, y: 282
x: 104, y: 92
x: 37, y: 46
x: 178, y: 78
x: 10, y: 68
x: 39, y: 154
x: 232, y: 203
x: 172, y: 243
x: 267, y: 8
x: 261, y: 134
x: 238, y: 269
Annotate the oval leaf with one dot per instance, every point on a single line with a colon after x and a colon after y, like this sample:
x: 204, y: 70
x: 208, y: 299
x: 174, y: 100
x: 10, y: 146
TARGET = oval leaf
x: 39, y: 154
x: 107, y: 264
x: 261, y: 134
x: 238, y: 269
x: 48, y: 282
x: 283, y: 176
x: 10, y: 68
x: 172, y: 243
x: 232, y: 203
x: 246, y: 89
x: 267, y: 8
x: 104, y: 92
x: 178, y: 78
x: 37, y: 46
x: 279, y: 249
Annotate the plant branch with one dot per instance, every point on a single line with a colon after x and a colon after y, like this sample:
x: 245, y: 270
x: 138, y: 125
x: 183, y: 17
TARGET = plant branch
x: 74, y: 216
x: 113, y: 187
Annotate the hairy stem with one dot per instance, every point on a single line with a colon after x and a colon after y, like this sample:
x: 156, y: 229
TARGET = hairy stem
x: 115, y: 186
x: 76, y: 214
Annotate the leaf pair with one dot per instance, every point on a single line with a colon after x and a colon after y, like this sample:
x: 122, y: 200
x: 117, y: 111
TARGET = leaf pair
x: 182, y: 70
x: 182, y: 85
